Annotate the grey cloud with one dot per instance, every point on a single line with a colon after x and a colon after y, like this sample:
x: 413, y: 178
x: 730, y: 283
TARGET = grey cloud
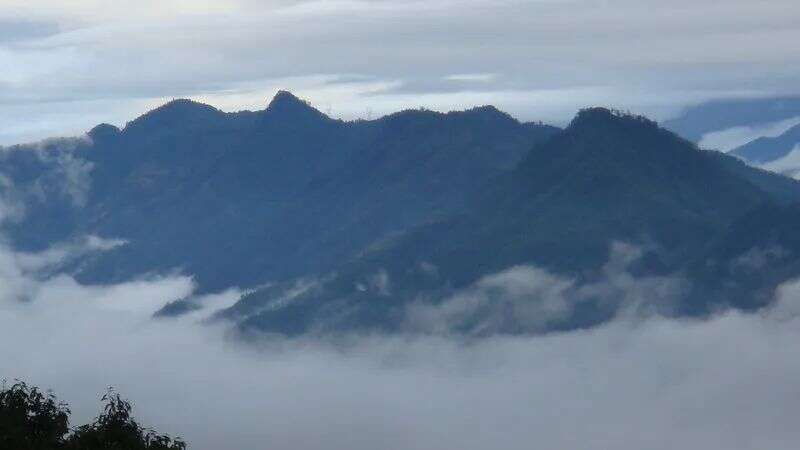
x: 15, y: 30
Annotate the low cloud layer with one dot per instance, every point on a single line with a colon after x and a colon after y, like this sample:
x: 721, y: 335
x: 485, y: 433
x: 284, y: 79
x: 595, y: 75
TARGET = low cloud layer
x: 72, y: 65
x: 638, y: 382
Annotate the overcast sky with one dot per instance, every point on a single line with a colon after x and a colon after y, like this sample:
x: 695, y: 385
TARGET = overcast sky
x: 70, y: 65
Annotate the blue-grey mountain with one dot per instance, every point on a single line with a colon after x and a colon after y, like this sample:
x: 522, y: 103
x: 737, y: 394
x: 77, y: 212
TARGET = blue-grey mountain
x: 607, y: 178
x: 349, y: 225
x: 768, y: 149
x: 719, y: 115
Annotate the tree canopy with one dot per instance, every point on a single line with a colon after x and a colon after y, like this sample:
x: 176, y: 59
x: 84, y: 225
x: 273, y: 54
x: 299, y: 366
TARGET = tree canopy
x: 31, y: 419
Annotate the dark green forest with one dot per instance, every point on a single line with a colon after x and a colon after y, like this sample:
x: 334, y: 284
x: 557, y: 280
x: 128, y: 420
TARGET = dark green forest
x: 32, y: 419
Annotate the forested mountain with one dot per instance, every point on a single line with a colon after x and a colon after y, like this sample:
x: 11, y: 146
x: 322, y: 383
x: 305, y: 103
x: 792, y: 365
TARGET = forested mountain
x: 607, y: 178
x: 237, y: 199
x: 357, y: 225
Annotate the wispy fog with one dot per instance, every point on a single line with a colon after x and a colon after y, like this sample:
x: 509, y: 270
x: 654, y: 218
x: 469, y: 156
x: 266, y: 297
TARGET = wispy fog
x: 531, y: 299
x: 638, y: 382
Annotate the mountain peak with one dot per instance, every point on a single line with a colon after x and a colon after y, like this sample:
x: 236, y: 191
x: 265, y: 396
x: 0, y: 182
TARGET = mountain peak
x: 285, y: 100
x: 590, y: 117
x: 104, y: 131
x: 178, y: 112
x: 630, y: 149
x: 489, y: 111
x: 183, y: 104
x: 287, y: 104
x: 283, y: 96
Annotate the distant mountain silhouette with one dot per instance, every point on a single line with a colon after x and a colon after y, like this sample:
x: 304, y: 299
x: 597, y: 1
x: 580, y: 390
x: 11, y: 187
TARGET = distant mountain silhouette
x: 719, y: 115
x: 767, y: 149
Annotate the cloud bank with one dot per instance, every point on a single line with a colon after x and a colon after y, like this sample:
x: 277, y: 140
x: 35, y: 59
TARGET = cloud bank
x: 640, y: 381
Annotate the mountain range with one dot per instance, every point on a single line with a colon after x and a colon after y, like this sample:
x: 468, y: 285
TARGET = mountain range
x: 378, y: 225
x: 718, y: 115
x: 779, y: 154
x: 244, y: 198
x: 607, y: 178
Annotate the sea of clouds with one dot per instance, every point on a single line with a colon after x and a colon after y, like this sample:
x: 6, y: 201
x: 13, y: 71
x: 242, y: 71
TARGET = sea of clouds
x: 730, y: 382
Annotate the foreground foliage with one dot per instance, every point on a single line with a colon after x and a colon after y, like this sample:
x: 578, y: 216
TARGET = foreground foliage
x: 31, y: 419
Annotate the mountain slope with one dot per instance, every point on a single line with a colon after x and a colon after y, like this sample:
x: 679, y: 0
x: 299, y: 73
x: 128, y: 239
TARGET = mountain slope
x: 606, y: 178
x: 239, y: 199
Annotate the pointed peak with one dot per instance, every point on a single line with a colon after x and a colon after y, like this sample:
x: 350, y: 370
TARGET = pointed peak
x: 286, y: 103
x: 284, y: 99
x: 283, y: 95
